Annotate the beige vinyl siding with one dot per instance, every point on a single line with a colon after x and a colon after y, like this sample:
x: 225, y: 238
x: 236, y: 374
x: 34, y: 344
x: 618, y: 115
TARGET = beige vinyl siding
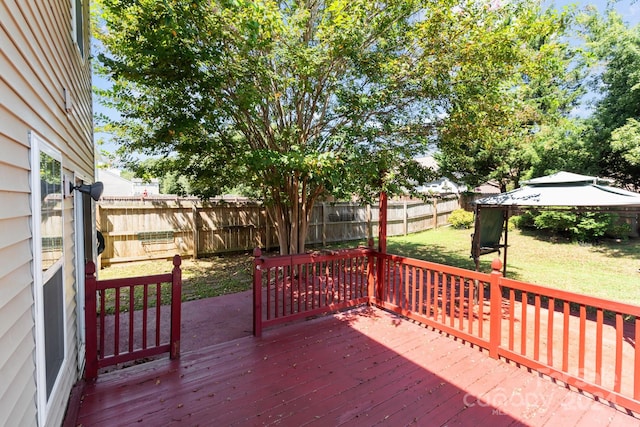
x: 17, y: 388
x: 39, y: 61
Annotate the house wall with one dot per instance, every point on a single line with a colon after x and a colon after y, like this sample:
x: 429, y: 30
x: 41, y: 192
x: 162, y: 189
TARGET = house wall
x: 40, y: 63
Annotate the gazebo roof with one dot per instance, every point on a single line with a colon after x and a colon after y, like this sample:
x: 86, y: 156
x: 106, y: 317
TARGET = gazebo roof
x: 564, y: 189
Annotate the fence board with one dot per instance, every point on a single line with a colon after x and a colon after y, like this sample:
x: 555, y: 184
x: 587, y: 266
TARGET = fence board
x: 137, y: 228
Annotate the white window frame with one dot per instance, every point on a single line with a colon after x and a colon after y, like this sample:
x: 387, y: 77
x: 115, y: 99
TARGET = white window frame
x: 38, y: 144
x: 80, y: 44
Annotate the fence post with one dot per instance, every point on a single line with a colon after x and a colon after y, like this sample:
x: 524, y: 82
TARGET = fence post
x: 257, y: 292
x: 405, y: 218
x: 435, y: 213
x: 495, y: 316
x: 324, y: 224
x: 196, y: 235
x: 176, y: 303
x: 91, y: 327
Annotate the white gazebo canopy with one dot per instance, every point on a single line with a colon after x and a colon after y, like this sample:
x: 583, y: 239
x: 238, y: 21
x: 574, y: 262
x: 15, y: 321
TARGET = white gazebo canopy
x: 564, y: 189
x: 559, y: 190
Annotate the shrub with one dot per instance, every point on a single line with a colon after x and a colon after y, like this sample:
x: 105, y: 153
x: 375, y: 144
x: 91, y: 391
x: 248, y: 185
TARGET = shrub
x: 619, y: 230
x: 523, y: 221
x: 580, y: 226
x: 461, y: 219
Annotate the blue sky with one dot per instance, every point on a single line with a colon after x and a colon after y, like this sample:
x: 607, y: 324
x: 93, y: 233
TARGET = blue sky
x: 628, y: 9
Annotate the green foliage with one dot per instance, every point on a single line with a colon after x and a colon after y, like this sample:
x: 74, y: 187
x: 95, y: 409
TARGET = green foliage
x: 523, y: 221
x: 615, y: 134
x: 577, y: 226
x: 461, y: 219
x: 301, y: 100
x: 502, y: 109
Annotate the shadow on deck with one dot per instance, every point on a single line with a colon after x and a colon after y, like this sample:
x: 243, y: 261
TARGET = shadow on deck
x: 361, y: 367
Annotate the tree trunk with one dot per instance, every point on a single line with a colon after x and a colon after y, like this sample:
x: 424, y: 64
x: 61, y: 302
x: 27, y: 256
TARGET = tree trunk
x: 292, y: 215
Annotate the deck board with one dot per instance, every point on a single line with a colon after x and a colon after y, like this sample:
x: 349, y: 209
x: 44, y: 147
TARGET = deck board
x: 364, y: 367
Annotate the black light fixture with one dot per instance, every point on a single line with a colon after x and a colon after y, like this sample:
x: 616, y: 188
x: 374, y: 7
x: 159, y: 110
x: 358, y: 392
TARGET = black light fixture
x: 94, y: 190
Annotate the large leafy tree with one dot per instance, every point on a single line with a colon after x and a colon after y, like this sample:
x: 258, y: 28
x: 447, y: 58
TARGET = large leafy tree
x: 508, y: 106
x: 302, y: 99
x: 615, y: 124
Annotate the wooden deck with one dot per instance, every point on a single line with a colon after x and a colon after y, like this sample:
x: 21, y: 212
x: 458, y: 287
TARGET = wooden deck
x: 364, y: 367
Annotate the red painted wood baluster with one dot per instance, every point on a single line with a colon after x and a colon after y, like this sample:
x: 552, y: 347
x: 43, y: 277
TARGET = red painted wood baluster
x: 550, y: 312
x: 618, y: 369
x: 116, y: 328
x: 523, y: 329
x: 636, y: 361
x: 291, y: 276
x: 452, y: 300
x: 445, y: 297
x: 131, y: 312
x: 599, y: 322
x: 436, y: 294
x: 461, y: 303
x: 268, y: 285
x: 536, y: 328
x: 103, y: 314
x: 420, y: 272
x: 581, y: 340
x: 565, y: 337
x: 481, y: 309
x: 512, y: 325
x: 495, y: 329
x: 472, y: 302
x: 276, y: 292
x: 306, y: 287
x: 257, y: 292
x: 158, y: 311
x: 314, y: 279
x: 145, y: 312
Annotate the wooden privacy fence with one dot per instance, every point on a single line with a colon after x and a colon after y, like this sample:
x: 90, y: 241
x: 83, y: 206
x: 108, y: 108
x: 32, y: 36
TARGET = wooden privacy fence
x: 131, y: 318
x: 586, y: 342
x: 137, y: 228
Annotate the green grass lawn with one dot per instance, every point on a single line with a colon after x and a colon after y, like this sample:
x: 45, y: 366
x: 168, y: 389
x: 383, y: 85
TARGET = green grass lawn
x: 607, y: 270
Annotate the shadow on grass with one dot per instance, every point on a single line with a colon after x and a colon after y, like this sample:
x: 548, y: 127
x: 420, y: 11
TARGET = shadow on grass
x: 629, y: 248
x: 442, y: 255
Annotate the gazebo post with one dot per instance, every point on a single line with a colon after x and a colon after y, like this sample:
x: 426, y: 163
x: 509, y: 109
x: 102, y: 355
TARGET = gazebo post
x: 475, y: 239
x: 506, y: 243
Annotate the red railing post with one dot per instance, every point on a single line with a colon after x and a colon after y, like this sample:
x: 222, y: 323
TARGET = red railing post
x: 257, y: 292
x: 176, y: 306
x: 91, y: 327
x: 495, y: 299
x: 371, y: 282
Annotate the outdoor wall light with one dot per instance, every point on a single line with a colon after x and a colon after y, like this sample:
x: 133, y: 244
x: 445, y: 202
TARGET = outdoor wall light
x: 94, y: 190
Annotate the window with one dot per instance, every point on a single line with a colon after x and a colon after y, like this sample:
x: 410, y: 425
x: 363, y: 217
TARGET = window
x: 50, y: 210
x: 77, y: 18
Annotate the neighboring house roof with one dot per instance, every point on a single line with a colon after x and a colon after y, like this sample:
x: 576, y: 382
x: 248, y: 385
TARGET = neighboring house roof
x: 440, y: 186
x: 564, y: 189
x: 487, y: 188
x: 116, y: 185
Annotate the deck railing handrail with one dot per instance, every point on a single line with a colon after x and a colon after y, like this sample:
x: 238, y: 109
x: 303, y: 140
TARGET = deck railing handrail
x: 584, y: 341
x: 138, y: 322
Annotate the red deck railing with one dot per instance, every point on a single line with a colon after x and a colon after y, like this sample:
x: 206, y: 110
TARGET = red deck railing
x: 287, y: 288
x: 131, y: 332
x: 585, y: 342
